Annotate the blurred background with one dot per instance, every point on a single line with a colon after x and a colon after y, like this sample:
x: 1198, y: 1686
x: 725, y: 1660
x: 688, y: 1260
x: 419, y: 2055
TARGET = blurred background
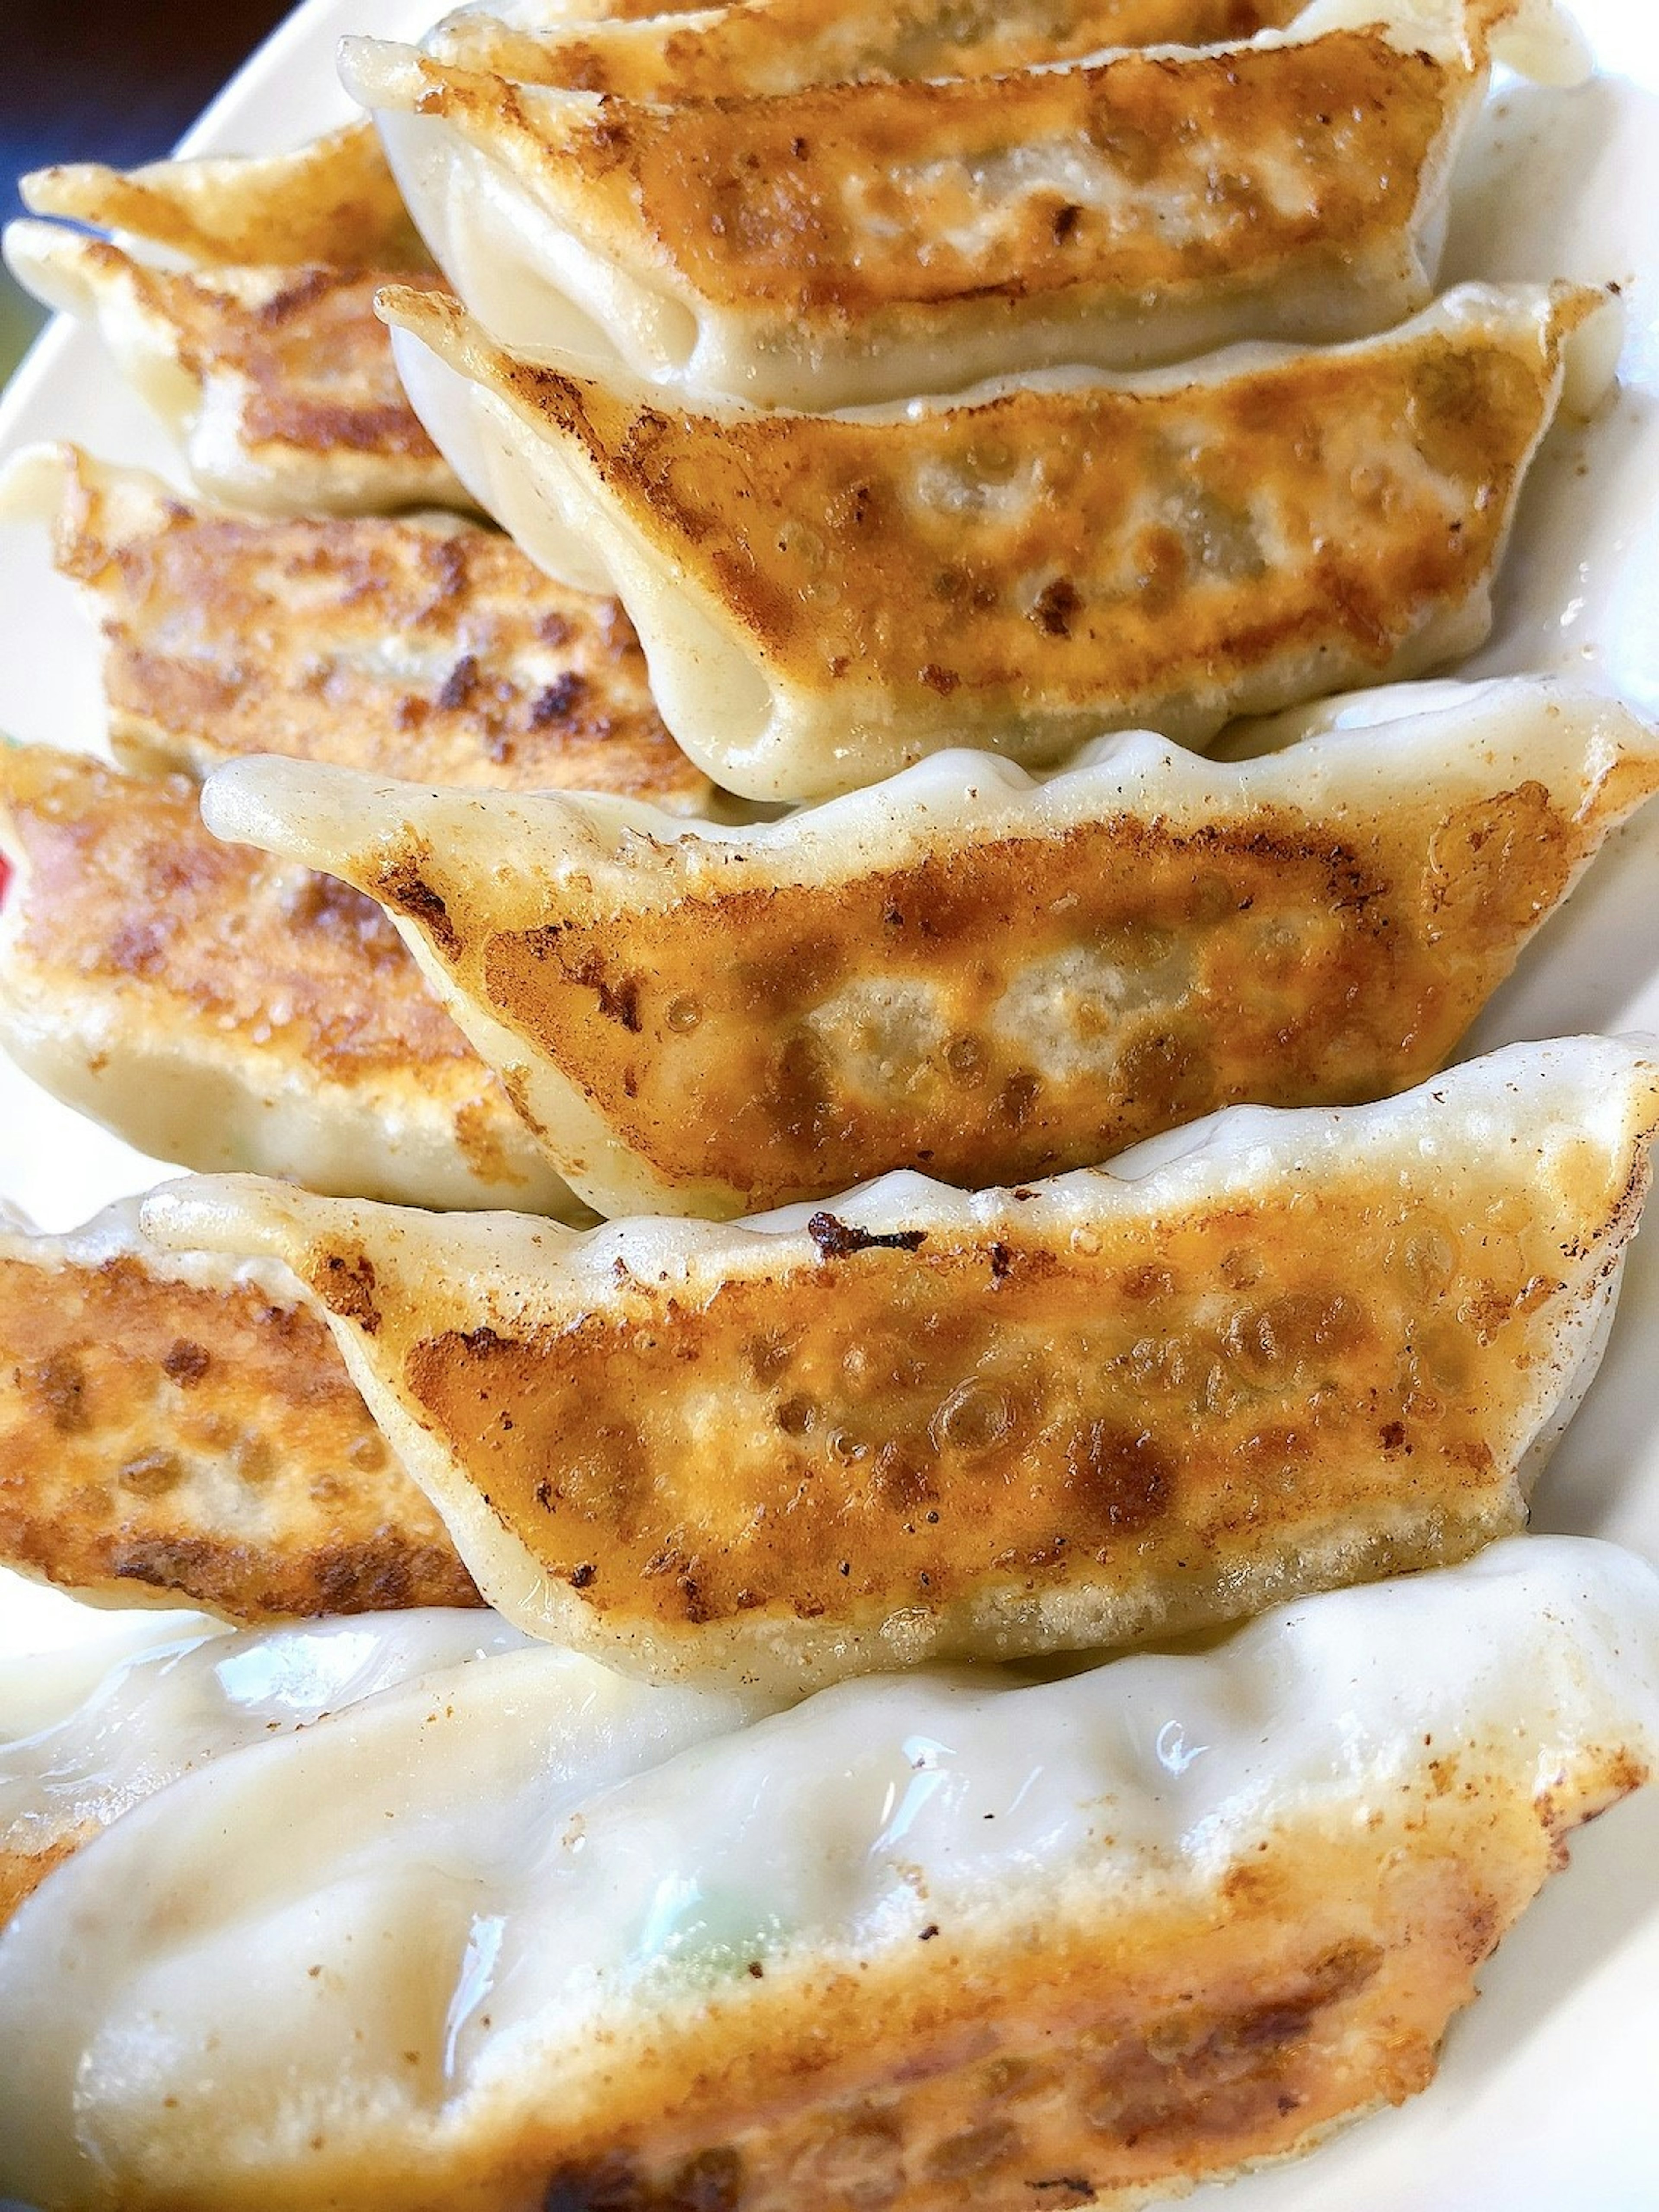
x: 113, y: 81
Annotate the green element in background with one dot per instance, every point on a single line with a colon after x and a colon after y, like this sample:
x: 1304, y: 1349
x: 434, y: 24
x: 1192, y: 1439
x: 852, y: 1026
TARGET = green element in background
x: 20, y: 319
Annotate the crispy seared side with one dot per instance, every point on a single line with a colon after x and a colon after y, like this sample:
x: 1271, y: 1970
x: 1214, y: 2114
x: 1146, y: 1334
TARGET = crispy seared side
x: 187, y: 1434
x: 1138, y: 178
x: 278, y: 382
x: 1100, y: 2055
x: 989, y: 988
x: 1201, y: 1404
x: 214, y: 1006
x: 783, y: 45
x: 421, y: 645
x: 331, y: 200
x: 1025, y: 569
x: 1059, y: 1416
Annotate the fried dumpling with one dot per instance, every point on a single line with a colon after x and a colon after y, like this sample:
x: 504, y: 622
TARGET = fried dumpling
x: 217, y: 1009
x: 928, y: 1941
x: 824, y: 600
x: 856, y: 244
x: 785, y: 45
x: 85, y: 1736
x: 418, y: 645
x: 181, y: 1430
x: 276, y: 382
x: 332, y: 200
x: 1276, y: 1351
x: 965, y: 971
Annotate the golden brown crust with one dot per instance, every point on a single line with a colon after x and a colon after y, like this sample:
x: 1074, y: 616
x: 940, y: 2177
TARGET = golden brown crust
x: 200, y: 1442
x: 967, y: 1417
x: 1032, y: 1426
x: 424, y: 647
x: 133, y: 926
x: 1003, y: 1008
x: 301, y: 347
x: 126, y: 887
x: 1107, y: 2057
x: 1088, y: 2046
x: 332, y: 200
x: 783, y: 45
x: 1024, y: 569
x: 858, y: 207
x: 278, y: 382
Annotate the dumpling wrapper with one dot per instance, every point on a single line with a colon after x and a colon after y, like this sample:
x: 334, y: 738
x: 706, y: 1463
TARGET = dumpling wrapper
x: 852, y: 245
x: 87, y: 1734
x: 824, y: 600
x: 416, y: 645
x: 925, y: 1941
x: 332, y: 200
x: 277, y: 383
x: 966, y: 972
x: 1269, y: 1353
x: 181, y: 1428
x: 769, y: 46
x: 222, y: 1010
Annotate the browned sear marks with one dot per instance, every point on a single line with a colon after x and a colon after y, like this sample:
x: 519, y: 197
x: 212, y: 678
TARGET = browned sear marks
x: 1093, y: 2052
x: 783, y: 45
x: 201, y: 1441
x: 1007, y: 1007
x: 1148, y: 1412
x: 1185, y: 546
x: 421, y: 646
x: 1253, y: 168
x: 126, y: 891
x: 302, y: 346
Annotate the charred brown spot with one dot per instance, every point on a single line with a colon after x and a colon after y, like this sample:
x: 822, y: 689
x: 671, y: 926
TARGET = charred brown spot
x: 712, y: 2181
x: 838, y: 1240
x: 619, y: 1001
x: 57, y: 1384
x: 1120, y: 1479
x: 400, y: 886
x: 186, y: 1362
x: 459, y: 685
x: 1056, y: 607
x: 559, y: 700
x: 346, y: 1287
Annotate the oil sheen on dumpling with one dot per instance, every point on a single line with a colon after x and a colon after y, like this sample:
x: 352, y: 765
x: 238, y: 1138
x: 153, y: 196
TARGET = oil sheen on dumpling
x: 1273, y: 1351
x: 928, y: 1940
x: 88, y: 1733
x: 785, y: 45
x: 275, y: 382
x: 181, y: 1428
x: 222, y: 1010
x: 419, y: 645
x: 823, y: 600
x: 963, y: 971
x: 859, y: 243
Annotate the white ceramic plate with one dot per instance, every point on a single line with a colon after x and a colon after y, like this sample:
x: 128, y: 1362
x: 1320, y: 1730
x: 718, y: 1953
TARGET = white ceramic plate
x: 1547, y: 2097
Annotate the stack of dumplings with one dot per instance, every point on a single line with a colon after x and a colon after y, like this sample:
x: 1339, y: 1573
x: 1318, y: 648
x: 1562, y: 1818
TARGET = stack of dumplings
x: 845, y: 1396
